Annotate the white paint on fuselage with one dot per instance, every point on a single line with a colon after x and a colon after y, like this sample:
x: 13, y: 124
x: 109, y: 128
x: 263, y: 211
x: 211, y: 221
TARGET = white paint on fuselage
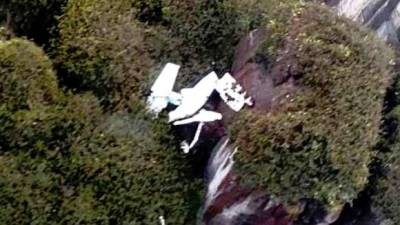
x: 193, y: 99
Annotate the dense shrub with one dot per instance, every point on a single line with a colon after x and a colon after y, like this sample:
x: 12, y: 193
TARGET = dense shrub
x: 101, y: 49
x: 63, y: 161
x: 386, y: 201
x: 201, y: 35
x: 209, y: 29
x: 104, y: 48
x: 318, y: 142
x: 64, y: 170
x: 5, y: 34
x: 148, y: 11
x: 35, y: 19
x: 27, y: 78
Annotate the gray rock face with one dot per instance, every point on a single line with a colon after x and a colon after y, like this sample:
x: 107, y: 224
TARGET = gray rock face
x: 380, y: 15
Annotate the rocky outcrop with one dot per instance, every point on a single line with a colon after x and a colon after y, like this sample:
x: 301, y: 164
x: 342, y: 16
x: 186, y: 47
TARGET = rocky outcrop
x: 234, y: 199
x: 380, y: 15
x: 229, y: 203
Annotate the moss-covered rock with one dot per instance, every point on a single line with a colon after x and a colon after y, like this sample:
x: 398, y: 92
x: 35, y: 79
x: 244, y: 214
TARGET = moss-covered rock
x: 318, y: 143
x: 64, y: 161
x: 101, y: 49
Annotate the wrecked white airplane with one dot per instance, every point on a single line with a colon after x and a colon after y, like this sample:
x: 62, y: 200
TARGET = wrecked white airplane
x: 190, y: 101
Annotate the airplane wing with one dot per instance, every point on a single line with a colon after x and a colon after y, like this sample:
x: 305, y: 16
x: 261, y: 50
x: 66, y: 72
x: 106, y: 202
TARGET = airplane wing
x: 162, y: 93
x: 165, y: 81
x: 206, y: 85
x: 194, y: 98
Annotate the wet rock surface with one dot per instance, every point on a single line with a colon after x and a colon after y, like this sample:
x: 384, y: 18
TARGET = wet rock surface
x: 227, y: 202
x: 380, y: 15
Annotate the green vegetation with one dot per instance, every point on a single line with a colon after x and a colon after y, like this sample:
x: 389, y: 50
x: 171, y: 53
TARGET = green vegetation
x: 63, y: 161
x: 148, y: 11
x: 201, y: 35
x: 104, y: 49
x: 77, y: 147
x: 319, y: 142
x: 28, y: 80
x: 386, y: 201
x: 35, y: 19
x: 5, y: 34
x: 101, y: 50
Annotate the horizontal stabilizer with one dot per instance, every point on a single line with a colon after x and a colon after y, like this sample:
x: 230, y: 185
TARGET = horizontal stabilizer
x: 232, y: 93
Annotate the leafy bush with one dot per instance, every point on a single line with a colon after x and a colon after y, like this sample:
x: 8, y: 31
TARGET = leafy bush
x: 386, y: 201
x: 201, y: 35
x: 32, y: 18
x: 385, y: 198
x: 149, y: 11
x: 64, y: 161
x: 100, y: 49
x: 318, y: 142
x: 63, y: 169
x: 5, y: 34
x: 103, y: 48
x: 27, y: 76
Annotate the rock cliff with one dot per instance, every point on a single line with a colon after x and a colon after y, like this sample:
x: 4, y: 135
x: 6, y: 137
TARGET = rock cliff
x: 380, y: 15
